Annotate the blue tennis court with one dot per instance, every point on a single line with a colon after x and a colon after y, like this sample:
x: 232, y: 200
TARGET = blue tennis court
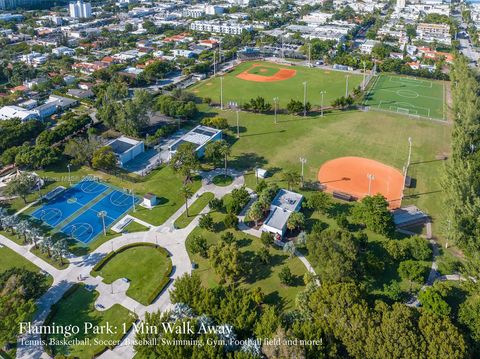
x: 71, y: 200
x: 88, y: 225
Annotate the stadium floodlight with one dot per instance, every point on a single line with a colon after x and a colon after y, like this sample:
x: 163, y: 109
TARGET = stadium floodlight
x: 346, y: 85
x: 221, y: 92
x: 321, y: 104
x: 275, y: 101
x: 305, y: 99
x: 370, y: 177
x: 303, y: 161
x: 69, y: 174
x: 102, y: 215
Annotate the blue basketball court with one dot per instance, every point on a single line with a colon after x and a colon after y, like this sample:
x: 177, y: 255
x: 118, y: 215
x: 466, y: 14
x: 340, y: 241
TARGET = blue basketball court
x: 95, y: 202
x: 73, y: 199
x: 88, y: 225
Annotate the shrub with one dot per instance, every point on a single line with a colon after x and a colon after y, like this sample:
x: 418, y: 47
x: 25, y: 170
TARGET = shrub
x: 206, y: 222
x: 286, y: 276
x: 228, y: 237
x: 231, y: 220
x: 216, y: 204
x: 199, y: 245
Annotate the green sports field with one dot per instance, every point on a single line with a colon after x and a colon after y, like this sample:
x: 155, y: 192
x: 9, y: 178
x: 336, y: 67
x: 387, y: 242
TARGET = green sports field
x: 239, y: 90
x: 407, y: 95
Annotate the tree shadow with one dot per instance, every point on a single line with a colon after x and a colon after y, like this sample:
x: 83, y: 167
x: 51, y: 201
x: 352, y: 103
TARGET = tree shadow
x: 244, y: 242
x: 338, y: 208
x: 275, y: 299
x: 248, y: 161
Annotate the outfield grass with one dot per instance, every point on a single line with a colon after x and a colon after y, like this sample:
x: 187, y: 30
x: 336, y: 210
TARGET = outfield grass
x: 376, y: 135
x: 240, y: 91
x: 263, y: 276
x: 76, y: 310
x: 194, y: 210
x: 421, y: 97
x: 144, y: 266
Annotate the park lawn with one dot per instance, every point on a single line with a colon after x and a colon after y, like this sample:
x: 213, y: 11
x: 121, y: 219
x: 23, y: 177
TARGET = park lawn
x: 79, y: 308
x: 145, y: 267
x: 135, y: 227
x: 10, y: 259
x: 377, y: 135
x: 263, y: 276
x: 240, y: 91
x: 194, y: 210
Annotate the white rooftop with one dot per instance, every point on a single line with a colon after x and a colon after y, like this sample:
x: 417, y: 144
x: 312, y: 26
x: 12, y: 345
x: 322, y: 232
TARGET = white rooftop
x: 8, y: 112
x: 287, y: 200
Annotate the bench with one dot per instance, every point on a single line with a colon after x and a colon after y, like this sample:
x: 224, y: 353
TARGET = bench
x: 343, y: 196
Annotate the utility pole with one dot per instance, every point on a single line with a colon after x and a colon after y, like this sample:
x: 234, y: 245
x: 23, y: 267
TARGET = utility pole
x: 303, y: 161
x: 214, y: 65
x: 305, y: 99
x: 221, y: 92
x: 275, y: 101
x: 370, y: 177
x: 133, y: 201
x: 346, y: 86
x: 321, y: 104
x: 409, y: 152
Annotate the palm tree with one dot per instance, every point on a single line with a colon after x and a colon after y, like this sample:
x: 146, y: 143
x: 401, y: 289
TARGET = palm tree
x: 34, y: 236
x: 22, y: 229
x: 46, y: 246
x: 291, y: 177
x: 225, y: 151
x: 187, y: 193
x: 60, y: 249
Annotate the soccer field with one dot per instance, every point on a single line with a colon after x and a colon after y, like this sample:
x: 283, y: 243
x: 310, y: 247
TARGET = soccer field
x: 407, y: 95
x: 269, y: 80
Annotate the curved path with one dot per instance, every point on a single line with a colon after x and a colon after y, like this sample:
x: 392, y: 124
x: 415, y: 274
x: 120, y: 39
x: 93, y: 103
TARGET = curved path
x: 166, y: 235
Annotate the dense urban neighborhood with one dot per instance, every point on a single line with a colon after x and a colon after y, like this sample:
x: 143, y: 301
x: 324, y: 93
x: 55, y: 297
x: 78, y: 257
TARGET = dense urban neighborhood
x: 239, y: 179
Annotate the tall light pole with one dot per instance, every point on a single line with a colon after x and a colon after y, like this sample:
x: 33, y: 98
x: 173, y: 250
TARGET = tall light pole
x: 321, y: 104
x: 133, y: 200
x: 310, y: 54
x: 305, y: 99
x: 303, y: 161
x: 409, y: 152
x: 364, y: 76
x: 102, y: 215
x: 69, y: 174
x: 275, y: 104
x: 370, y: 177
x: 214, y: 65
x: 346, y: 85
x: 238, y: 128
x: 221, y: 92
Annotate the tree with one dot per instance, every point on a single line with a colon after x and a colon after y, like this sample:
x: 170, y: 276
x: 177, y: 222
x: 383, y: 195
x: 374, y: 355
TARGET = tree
x: 218, y: 150
x: 412, y: 271
x: 228, y: 237
x: 187, y: 289
x: 216, y: 122
x: 373, y: 212
x: 231, y: 220
x: 255, y: 212
x: 342, y: 221
x: 433, y: 302
x: 81, y: 150
x: 257, y: 104
x: 264, y: 255
x: 104, y: 158
x: 22, y: 185
x: 225, y: 260
x: 216, y: 204
x: 286, y: 277
x: 199, y: 245
x: 335, y: 253
x: 291, y: 177
x: 289, y: 248
x: 296, y: 220
x: 206, y: 222
x: 266, y: 238
x: 185, y: 161
x: 225, y: 152
x: 468, y: 316
x: 268, y: 324
x: 419, y: 248
x: 186, y: 193
x: 319, y: 201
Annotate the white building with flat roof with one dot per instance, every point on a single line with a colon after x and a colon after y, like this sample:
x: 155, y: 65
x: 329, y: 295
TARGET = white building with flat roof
x: 126, y: 149
x: 283, y: 205
x: 10, y: 112
x: 200, y: 136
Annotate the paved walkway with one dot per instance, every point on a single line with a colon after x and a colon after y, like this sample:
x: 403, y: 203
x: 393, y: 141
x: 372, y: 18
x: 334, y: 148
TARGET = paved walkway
x: 166, y: 235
